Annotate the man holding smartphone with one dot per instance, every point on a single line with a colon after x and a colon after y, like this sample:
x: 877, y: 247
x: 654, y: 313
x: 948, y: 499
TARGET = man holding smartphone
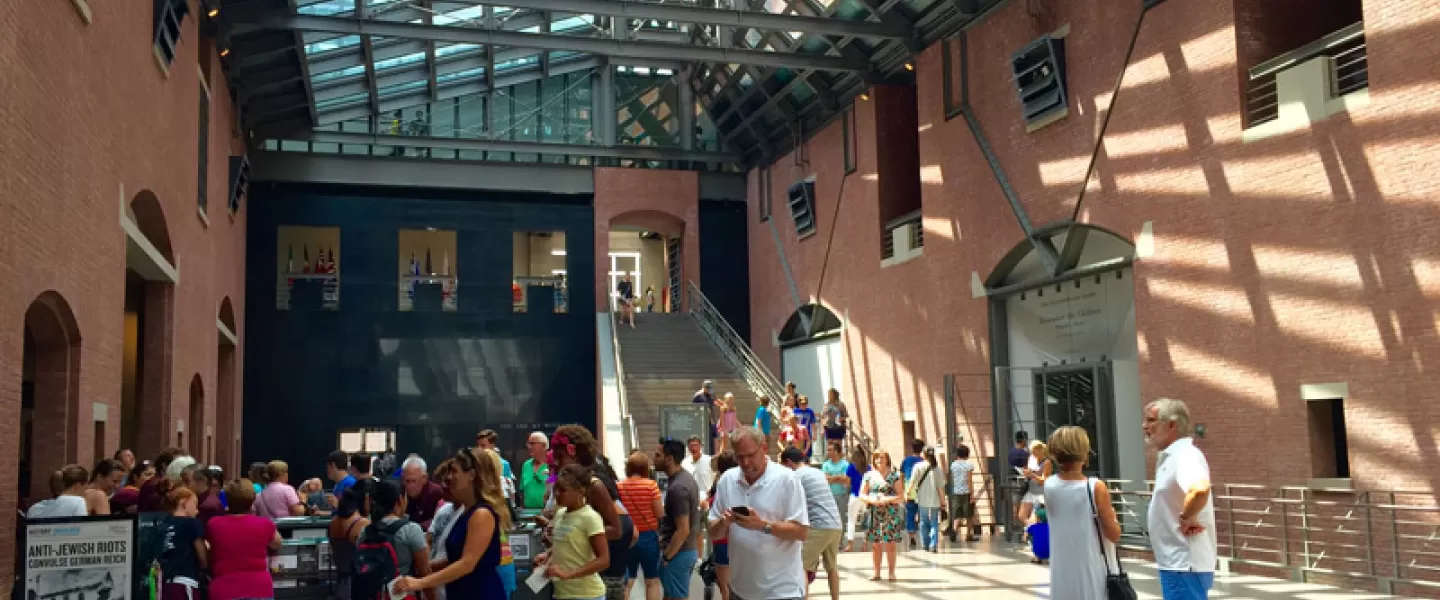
x: 761, y: 508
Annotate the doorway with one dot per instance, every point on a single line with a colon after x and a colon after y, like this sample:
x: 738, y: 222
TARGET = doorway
x: 1081, y: 396
x: 50, y: 394
x: 625, y: 263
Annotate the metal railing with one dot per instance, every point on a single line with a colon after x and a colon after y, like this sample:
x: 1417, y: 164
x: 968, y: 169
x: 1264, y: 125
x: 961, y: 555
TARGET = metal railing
x: 887, y: 234
x: 757, y: 376
x: 1372, y: 538
x: 627, y: 420
x: 1350, y: 71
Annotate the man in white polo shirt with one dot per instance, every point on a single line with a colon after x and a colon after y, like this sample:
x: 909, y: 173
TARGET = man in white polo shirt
x: 1182, y: 515
x: 761, y: 508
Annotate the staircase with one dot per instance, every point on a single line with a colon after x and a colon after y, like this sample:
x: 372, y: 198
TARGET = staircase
x: 666, y: 357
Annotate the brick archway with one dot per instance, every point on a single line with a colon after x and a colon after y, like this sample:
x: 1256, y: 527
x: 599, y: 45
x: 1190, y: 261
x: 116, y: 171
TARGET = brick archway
x: 147, y: 421
x: 676, y: 236
x: 227, y: 422
x: 195, y: 442
x: 52, y: 355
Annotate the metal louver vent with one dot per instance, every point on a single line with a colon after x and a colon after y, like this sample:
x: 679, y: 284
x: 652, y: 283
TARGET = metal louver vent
x: 1040, y: 80
x: 239, y: 181
x: 801, y: 198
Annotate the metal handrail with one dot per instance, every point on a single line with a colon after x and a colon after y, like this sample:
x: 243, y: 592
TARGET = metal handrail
x: 740, y: 356
x: 1308, y: 51
x: 1388, y: 537
x: 628, y: 420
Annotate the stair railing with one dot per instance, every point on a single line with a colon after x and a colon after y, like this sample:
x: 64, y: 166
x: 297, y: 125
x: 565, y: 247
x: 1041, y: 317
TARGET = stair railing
x: 627, y: 420
x: 736, y: 351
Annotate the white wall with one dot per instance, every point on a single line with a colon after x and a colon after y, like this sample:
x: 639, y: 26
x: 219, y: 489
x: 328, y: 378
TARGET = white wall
x: 1088, y: 322
x: 815, y: 368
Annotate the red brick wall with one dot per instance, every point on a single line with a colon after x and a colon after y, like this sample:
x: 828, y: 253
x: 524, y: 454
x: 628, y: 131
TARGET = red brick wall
x: 1304, y: 258
x: 898, y: 164
x: 667, y: 202
x: 90, y: 121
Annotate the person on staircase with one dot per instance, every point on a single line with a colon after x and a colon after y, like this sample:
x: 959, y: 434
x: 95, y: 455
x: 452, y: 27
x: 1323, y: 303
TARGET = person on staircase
x: 706, y: 397
x: 625, y: 292
x: 729, y: 421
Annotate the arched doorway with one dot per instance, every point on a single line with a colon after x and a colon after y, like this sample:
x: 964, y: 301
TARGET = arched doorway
x: 195, y: 422
x: 150, y: 277
x: 812, y: 353
x: 227, y: 423
x: 649, y: 246
x: 49, y: 393
x: 1063, y: 343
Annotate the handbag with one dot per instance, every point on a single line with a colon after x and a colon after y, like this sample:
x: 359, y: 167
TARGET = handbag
x: 1117, y: 584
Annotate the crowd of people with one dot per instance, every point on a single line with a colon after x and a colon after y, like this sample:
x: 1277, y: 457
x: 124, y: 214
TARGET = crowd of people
x: 769, y: 525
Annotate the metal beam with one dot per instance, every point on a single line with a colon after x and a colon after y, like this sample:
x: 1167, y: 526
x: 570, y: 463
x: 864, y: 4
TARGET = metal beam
x: 684, y: 13
x: 442, y: 143
x: 368, y: 49
x: 618, y: 48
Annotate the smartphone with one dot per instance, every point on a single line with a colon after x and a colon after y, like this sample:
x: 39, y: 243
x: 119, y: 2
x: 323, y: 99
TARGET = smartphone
x: 740, y: 510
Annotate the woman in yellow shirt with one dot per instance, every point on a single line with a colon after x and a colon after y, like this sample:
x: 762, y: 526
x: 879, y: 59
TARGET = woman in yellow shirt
x: 579, y: 549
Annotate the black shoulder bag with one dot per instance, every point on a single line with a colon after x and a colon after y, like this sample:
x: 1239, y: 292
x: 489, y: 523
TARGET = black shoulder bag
x: 1117, y: 584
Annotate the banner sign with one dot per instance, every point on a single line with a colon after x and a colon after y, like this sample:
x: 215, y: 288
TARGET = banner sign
x: 79, y: 558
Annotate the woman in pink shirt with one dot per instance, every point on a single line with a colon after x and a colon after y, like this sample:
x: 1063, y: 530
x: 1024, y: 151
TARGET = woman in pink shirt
x: 279, y: 500
x: 240, y: 545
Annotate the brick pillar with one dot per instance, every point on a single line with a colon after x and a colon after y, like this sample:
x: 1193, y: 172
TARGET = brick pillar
x: 154, y: 422
x: 227, y: 423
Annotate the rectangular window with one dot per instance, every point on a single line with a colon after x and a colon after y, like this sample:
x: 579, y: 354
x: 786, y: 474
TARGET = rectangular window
x: 952, y: 65
x: 429, y: 277
x: 203, y: 152
x: 765, y: 194
x: 307, y: 268
x: 539, y: 272
x: 852, y: 145
x: 1275, y: 39
x: 1329, y: 446
x: 168, y: 16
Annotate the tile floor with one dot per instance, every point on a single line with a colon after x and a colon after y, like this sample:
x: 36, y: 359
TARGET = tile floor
x: 1001, y: 572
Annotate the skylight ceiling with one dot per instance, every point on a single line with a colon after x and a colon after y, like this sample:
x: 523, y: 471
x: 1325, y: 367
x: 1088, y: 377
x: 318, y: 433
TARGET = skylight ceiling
x: 765, y: 72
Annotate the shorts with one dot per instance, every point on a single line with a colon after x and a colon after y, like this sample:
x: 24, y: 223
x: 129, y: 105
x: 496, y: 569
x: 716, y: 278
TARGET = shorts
x: 960, y: 506
x: 721, y: 554
x: 644, y: 555
x: 675, y: 574
x: 1185, y: 585
x: 821, y: 544
x: 912, y: 517
x: 1034, y: 499
x: 835, y: 433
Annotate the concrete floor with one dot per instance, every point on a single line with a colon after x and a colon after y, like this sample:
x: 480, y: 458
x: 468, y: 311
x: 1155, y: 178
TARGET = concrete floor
x: 1001, y: 572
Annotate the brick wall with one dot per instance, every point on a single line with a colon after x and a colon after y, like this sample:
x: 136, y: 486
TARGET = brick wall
x: 90, y: 122
x: 667, y: 202
x: 1304, y: 258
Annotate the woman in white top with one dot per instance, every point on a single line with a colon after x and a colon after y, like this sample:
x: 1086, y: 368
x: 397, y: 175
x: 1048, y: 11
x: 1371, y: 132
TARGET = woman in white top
x: 68, y: 486
x: 1075, y: 505
x: 927, y: 487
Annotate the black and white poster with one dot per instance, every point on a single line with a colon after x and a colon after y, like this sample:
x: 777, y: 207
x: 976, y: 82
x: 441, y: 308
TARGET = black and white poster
x: 79, y: 559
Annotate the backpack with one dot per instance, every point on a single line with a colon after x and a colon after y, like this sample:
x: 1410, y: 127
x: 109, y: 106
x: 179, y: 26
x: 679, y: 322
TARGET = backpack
x: 376, y: 563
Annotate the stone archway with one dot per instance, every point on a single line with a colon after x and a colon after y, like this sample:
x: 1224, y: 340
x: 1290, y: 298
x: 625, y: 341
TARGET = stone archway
x: 151, y: 274
x: 227, y: 422
x: 678, y: 263
x: 50, y: 391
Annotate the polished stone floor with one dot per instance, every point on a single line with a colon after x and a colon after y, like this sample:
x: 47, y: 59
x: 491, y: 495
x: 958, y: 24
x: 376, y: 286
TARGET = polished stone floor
x: 1001, y: 572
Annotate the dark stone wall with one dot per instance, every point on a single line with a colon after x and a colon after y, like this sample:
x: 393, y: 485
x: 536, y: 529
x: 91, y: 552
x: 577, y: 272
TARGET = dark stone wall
x: 437, y: 378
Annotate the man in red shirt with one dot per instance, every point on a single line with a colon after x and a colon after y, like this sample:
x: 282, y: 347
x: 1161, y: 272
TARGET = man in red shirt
x: 424, y: 495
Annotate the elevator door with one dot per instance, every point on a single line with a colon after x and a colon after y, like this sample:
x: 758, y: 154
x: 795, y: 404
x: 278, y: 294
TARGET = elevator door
x: 1079, y: 396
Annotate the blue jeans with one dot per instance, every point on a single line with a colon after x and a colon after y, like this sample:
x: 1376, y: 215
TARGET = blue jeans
x: 929, y: 526
x: 1185, y: 585
x: 644, y: 555
x: 912, y: 517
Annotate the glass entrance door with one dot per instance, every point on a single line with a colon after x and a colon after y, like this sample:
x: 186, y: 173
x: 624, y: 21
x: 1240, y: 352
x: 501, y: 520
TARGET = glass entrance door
x: 1079, y: 396
x: 624, y: 263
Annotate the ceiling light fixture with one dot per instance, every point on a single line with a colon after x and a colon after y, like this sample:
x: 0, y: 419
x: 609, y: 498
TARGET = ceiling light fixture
x: 909, y: 66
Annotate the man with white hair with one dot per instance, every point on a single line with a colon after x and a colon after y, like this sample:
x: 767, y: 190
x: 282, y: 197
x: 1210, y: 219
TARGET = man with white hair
x: 1182, y: 515
x: 422, y: 494
x: 535, y: 473
x: 760, y: 507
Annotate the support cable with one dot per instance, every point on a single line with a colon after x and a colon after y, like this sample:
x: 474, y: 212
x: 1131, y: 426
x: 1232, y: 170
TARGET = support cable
x: 1105, y: 123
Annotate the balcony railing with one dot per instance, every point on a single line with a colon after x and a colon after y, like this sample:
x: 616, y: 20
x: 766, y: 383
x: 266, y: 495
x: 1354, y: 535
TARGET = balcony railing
x: 912, y: 236
x: 1349, y: 71
x: 1377, y: 539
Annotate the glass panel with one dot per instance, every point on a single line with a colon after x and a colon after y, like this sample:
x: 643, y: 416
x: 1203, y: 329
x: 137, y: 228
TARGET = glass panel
x: 309, y: 280
x: 502, y: 123
x: 471, y: 123
x: 577, y: 109
x: 442, y: 118
x: 552, y: 114
x: 538, y: 264
x: 327, y: 7
x: 428, y: 281
x: 526, y: 103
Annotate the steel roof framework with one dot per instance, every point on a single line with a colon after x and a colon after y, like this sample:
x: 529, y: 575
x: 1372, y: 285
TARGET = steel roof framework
x: 762, y: 74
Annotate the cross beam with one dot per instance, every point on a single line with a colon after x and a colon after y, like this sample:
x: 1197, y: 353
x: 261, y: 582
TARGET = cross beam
x: 642, y: 50
x: 686, y: 13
